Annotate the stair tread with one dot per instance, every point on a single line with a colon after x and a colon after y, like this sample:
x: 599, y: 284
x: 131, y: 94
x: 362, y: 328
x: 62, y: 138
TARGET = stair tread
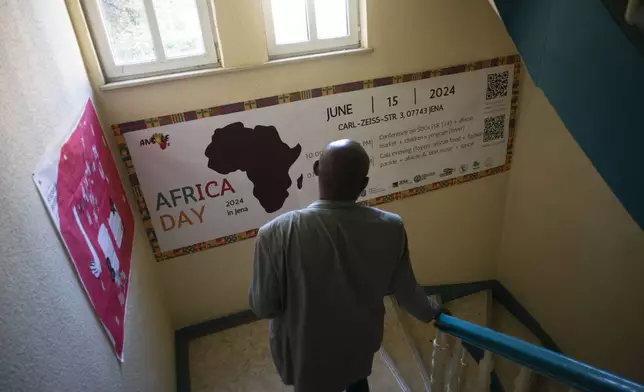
x: 239, y: 360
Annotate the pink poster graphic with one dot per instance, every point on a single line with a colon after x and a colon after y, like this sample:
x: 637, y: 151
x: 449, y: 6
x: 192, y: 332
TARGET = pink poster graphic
x: 81, y: 187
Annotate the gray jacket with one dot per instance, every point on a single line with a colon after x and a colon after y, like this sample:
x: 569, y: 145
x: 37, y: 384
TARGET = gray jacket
x: 320, y: 274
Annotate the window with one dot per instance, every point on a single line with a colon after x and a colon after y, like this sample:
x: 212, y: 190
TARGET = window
x: 296, y: 27
x: 137, y: 38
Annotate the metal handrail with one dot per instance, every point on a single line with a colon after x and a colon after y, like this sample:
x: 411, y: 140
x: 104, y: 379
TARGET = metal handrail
x: 576, y: 374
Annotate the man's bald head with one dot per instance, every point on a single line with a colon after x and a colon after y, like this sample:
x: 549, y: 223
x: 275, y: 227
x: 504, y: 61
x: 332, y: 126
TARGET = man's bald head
x: 342, y: 170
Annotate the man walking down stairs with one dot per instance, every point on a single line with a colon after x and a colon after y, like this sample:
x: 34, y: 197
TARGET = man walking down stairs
x: 321, y: 279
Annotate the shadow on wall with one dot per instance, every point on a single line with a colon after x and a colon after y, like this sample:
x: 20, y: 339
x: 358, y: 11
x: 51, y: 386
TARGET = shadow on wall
x: 593, y: 74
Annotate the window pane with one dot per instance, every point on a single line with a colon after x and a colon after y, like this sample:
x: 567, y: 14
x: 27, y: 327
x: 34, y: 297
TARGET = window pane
x: 128, y: 30
x: 180, y: 28
x: 331, y: 18
x: 290, y: 22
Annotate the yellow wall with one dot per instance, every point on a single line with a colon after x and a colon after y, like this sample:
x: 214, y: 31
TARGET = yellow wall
x: 50, y: 337
x: 454, y: 233
x: 570, y: 252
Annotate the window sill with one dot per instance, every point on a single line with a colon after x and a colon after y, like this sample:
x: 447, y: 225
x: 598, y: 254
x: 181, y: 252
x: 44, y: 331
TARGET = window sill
x: 217, y: 71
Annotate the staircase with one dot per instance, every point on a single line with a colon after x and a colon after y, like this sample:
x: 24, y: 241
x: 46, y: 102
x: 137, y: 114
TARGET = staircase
x: 456, y: 354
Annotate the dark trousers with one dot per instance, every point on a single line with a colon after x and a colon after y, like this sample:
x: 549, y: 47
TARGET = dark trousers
x: 360, y: 386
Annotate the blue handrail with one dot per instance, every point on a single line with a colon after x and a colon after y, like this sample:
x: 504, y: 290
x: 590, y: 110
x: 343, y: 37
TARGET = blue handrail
x: 556, y: 366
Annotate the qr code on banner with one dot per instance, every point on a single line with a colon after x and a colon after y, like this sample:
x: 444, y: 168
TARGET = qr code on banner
x: 493, y: 129
x: 497, y: 85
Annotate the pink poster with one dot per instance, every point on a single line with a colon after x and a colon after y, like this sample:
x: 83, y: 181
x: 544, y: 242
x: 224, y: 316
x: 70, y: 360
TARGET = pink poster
x: 82, y: 190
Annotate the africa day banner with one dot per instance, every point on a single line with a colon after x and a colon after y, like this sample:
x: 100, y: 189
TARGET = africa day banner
x: 210, y: 177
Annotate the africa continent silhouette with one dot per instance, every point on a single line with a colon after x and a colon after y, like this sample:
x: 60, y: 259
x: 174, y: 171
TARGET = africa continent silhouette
x: 261, y: 153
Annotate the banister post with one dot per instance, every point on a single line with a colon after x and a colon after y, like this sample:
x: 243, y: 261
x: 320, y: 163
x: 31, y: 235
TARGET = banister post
x: 486, y: 365
x: 456, y: 372
x: 522, y: 382
x: 440, y: 358
x: 462, y: 379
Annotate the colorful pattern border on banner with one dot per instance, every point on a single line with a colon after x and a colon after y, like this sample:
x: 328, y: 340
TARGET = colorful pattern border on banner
x: 121, y: 129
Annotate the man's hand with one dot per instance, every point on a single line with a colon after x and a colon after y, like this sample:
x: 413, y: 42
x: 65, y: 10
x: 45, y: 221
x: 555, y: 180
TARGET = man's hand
x: 443, y: 310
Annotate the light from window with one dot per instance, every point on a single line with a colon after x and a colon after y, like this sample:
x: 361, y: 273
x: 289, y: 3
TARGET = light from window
x: 147, y: 37
x: 179, y: 28
x: 128, y: 31
x: 290, y: 21
x: 295, y: 27
x: 331, y: 18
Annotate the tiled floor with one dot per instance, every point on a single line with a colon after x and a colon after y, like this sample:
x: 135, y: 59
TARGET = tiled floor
x: 239, y: 360
x: 236, y: 360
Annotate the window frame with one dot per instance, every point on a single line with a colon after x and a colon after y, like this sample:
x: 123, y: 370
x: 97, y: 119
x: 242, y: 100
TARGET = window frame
x: 162, y: 65
x: 313, y: 45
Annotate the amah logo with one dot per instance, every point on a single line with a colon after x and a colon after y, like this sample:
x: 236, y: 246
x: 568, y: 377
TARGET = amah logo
x: 157, y: 138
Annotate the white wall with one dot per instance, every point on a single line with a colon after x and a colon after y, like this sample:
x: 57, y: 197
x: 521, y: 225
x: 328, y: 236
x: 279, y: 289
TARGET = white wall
x: 454, y: 233
x: 571, y: 254
x: 50, y: 339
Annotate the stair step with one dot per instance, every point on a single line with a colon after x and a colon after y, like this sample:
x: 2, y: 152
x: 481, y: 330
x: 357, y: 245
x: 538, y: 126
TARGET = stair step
x: 239, y: 360
x: 234, y: 360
